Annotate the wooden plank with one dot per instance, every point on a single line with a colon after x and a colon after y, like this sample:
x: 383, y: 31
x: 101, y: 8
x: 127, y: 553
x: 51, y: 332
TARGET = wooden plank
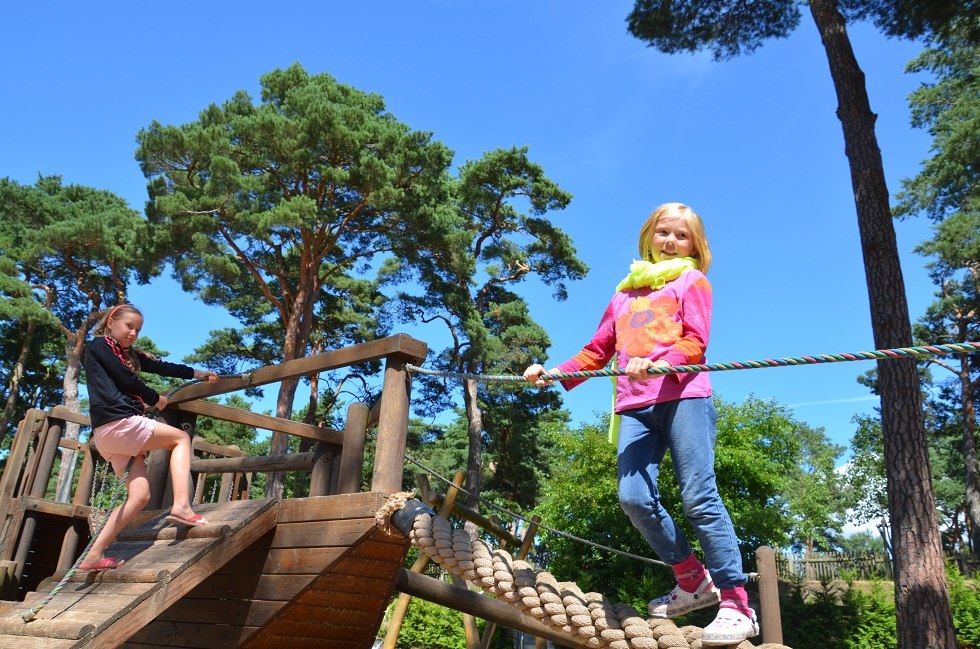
x: 270, y: 641
x: 402, y: 344
x: 358, y: 601
x: 258, y: 420
x: 61, y: 412
x: 321, y: 533
x: 321, y: 508
x: 268, y: 587
x: 366, y: 568
x: 244, y: 612
x: 286, y: 561
x: 200, y: 636
x: 66, y: 510
x: 14, y: 642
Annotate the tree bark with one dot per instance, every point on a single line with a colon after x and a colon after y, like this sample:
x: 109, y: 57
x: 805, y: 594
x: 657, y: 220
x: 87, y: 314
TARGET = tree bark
x: 474, y: 459
x: 921, y: 594
x: 969, y: 414
x: 74, y: 348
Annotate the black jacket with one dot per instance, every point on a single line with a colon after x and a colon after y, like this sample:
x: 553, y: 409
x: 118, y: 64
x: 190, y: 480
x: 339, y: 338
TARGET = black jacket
x: 115, y: 391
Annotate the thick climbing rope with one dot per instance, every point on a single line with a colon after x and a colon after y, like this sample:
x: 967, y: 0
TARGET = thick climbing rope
x: 921, y: 353
x: 589, y: 617
x: 31, y: 613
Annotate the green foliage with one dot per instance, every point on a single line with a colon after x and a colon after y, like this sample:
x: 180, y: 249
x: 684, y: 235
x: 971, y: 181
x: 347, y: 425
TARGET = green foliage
x: 838, y: 616
x: 949, y: 108
x: 864, y: 542
x: 431, y: 626
x: 728, y: 29
x: 965, y: 602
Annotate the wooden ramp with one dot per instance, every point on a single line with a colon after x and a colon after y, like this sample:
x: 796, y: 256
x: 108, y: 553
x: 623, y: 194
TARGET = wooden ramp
x: 163, y: 563
x: 308, y: 572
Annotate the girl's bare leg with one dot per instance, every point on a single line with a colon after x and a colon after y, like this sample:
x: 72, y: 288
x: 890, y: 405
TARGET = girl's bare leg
x: 178, y: 442
x: 138, y: 495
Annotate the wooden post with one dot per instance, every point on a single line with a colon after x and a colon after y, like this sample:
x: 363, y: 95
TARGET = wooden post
x: 69, y: 545
x: 770, y: 619
x: 389, y: 461
x: 84, y: 491
x: 50, y: 437
x: 324, y: 466
x: 352, y: 455
x: 401, y: 606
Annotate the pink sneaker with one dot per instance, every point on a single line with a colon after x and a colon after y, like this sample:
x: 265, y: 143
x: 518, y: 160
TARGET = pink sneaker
x: 729, y: 627
x: 679, y: 601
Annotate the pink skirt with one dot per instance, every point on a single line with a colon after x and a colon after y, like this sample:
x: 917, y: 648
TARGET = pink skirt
x: 122, y: 439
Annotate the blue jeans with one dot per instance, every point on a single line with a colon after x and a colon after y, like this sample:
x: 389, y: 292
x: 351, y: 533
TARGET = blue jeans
x: 687, y: 428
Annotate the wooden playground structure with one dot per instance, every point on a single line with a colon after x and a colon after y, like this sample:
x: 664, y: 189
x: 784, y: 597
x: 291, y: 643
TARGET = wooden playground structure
x: 318, y: 571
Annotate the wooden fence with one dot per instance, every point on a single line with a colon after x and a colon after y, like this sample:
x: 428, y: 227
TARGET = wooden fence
x: 834, y: 565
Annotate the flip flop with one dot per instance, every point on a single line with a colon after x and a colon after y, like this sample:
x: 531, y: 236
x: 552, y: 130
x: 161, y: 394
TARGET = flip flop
x: 106, y: 563
x: 194, y: 521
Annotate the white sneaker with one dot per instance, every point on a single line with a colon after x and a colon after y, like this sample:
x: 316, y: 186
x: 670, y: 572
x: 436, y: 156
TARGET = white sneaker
x: 679, y: 601
x: 730, y: 627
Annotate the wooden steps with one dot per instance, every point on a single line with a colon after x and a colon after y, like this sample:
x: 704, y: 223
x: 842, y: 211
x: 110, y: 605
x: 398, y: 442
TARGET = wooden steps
x: 163, y: 563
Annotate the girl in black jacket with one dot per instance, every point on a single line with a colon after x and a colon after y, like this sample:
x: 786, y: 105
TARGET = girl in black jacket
x: 121, y: 430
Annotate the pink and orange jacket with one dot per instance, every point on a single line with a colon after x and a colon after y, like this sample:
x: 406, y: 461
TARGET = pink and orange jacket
x: 671, y: 323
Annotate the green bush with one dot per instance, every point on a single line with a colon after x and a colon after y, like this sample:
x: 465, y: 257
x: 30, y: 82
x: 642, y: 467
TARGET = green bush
x: 965, y: 601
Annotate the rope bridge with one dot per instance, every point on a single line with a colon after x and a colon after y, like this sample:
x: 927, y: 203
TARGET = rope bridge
x: 924, y: 352
x: 590, y: 619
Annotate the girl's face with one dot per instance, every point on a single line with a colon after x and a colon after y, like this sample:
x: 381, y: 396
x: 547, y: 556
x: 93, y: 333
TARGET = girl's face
x: 671, y: 238
x: 125, y: 328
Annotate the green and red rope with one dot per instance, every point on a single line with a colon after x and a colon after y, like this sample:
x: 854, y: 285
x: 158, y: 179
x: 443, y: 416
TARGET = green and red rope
x: 919, y: 353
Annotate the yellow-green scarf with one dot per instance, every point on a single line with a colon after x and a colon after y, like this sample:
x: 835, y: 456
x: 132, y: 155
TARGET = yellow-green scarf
x: 643, y: 274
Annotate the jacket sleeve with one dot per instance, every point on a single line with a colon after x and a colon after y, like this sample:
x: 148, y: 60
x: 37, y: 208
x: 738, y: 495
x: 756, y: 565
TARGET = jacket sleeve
x: 597, y: 352
x: 154, y: 365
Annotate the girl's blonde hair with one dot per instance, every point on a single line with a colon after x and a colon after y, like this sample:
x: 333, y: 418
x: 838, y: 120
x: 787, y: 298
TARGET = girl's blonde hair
x: 102, y: 329
x: 701, y: 250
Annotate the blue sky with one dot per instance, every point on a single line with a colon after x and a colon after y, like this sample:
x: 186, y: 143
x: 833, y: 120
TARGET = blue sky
x: 752, y: 144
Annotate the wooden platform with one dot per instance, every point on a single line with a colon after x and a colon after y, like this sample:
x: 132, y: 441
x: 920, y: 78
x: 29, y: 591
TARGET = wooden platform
x: 310, y: 572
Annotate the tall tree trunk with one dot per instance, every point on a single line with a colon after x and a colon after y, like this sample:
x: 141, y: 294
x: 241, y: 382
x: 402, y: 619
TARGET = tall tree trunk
x: 474, y: 458
x: 297, y: 337
x: 969, y: 414
x: 921, y: 595
x: 16, y: 374
x: 74, y: 348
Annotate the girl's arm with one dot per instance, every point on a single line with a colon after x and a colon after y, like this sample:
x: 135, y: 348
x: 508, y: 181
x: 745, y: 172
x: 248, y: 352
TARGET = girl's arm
x: 154, y: 365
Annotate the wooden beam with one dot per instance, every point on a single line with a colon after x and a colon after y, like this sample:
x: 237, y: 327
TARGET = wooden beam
x: 61, y: 412
x: 483, y: 606
x: 401, y: 344
x: 265, y: 422
x: 265, y: 463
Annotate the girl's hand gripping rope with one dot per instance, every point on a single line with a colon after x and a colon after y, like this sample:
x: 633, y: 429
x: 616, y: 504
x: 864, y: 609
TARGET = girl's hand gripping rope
x: 537, y: 375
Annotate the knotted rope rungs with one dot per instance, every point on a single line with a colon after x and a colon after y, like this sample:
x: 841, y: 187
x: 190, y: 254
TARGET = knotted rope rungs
x: 880, y: 354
